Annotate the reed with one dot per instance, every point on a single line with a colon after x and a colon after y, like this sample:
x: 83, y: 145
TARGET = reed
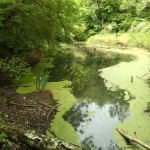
x: 41, y: 81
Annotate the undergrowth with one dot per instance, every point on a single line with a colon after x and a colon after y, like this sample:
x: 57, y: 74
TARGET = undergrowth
x: 140, y: 40
x: 5, y: 143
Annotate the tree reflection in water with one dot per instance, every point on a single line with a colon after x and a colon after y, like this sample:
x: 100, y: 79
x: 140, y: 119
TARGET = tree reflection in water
x: 121, y: 110
x: 98, y: 109
x: 94, y: 123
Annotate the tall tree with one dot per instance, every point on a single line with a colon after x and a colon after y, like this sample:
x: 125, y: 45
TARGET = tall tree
x: 28, y: 24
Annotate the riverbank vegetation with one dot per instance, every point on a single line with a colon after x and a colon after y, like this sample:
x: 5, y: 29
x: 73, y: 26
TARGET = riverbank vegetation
x: 42, y: 40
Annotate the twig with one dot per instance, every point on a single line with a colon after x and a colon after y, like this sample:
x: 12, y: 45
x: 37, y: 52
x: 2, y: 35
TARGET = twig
x: 45, y: 105
x: 52, y: 110
x: 23, y: 105
x: 132, y: 139
x: 143, y: 75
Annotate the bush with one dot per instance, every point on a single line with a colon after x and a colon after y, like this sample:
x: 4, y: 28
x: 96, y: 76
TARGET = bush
x: 13, y: 68
x: 141, y: 27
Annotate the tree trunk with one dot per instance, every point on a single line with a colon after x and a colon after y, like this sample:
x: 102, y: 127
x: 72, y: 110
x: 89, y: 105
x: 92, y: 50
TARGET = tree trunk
x: 38, y: 141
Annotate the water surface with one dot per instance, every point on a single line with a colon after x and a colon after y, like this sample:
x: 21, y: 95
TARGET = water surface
x: 98, y: 110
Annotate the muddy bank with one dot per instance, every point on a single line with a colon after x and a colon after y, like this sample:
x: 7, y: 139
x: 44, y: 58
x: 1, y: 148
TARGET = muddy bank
x: 27, y: 111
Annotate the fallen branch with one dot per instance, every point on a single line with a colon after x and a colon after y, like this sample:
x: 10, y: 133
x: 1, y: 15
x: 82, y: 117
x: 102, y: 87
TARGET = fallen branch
x: 52, y: 110
x: 23, y: 105
x: 45, y: 105
x: 132, y: 139
x: 143, y: 76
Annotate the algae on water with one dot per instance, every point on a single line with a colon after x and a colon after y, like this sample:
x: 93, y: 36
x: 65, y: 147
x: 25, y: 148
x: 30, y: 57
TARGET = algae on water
x: 62, y: 94
x: 120, y: 75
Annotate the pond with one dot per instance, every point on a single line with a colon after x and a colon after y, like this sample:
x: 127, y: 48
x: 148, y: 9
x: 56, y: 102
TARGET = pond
x: 98, y: 109
x: 109, y: 90
x: 133, y: 76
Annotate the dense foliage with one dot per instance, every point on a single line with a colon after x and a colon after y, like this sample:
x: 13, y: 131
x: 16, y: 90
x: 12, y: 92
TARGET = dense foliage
x: 13, y: 69
x: 98, y: 14
x: 4, y: 142
x: 26, y: 25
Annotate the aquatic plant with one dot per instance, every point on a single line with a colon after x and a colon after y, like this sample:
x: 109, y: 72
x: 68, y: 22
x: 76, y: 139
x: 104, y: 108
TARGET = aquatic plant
x: 41, y: 81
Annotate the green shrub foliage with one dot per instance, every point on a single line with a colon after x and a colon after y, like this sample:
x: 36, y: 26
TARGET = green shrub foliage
x: 5, y: 144
x: 13, y: 68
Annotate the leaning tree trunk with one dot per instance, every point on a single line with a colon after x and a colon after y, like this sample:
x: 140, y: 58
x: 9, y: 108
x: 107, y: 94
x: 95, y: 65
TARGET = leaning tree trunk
x: 38, y: 141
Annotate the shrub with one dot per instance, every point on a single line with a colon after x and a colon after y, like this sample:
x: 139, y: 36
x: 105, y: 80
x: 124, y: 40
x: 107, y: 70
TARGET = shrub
x: 13, y: 68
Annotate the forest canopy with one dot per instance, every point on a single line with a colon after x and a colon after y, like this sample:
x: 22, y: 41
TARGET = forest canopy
x: 27, y: 25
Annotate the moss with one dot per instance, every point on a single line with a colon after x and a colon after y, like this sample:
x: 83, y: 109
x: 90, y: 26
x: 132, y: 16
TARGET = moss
x: 66, y: 100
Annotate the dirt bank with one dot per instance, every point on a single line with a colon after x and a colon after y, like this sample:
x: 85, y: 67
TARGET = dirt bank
x: 27, y: 111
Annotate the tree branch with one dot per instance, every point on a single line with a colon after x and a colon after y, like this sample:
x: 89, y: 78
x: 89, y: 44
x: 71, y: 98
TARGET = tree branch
x: 132, y: 139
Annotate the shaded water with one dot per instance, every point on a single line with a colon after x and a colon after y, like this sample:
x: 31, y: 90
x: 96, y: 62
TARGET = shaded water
x: 138, y: 71
x: 97, y: 109
x: 95, y: 114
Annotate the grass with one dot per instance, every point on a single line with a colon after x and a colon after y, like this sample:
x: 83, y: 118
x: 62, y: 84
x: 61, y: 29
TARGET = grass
x: 139, y: 40
x: 107, y: 39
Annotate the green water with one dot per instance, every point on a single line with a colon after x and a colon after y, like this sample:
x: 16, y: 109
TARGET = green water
x: 61, y: 91
x: 100, y: 98
x: 121, y: 75
x: 97, y: 109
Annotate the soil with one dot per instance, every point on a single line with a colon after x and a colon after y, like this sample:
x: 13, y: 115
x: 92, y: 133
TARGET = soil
x: 27, y: 111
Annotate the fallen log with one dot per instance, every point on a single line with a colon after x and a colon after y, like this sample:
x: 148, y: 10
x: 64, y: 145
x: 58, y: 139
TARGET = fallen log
x: 132, y: 139
x: 37, y: 141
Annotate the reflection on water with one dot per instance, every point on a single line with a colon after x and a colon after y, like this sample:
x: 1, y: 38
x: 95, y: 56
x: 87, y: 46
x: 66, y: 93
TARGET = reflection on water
x: 98, y: 110
x: 94, y: 123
